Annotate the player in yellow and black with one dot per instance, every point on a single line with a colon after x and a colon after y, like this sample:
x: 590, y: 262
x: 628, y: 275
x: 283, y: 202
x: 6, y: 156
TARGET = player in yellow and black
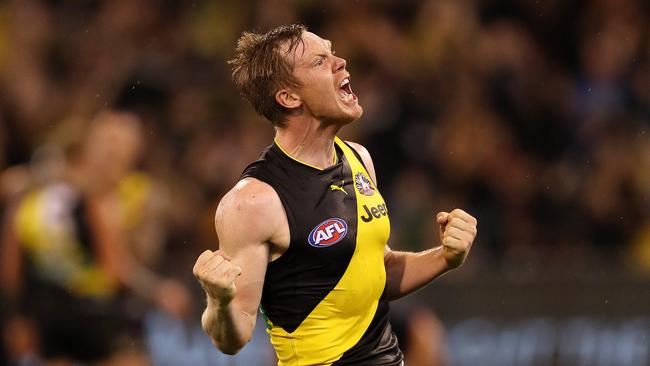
x: 334, y: 266
x: 304, y: 233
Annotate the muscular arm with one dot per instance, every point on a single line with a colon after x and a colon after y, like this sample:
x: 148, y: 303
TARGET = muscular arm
x: 247, y: 221
x: 407, y: 272
x: 118, y: 260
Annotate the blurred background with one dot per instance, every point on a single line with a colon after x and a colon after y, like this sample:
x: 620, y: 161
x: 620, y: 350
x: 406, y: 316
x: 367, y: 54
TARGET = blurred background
x: 120, y: 130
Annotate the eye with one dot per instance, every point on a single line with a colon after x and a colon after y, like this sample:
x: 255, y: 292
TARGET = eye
x: 319, y: 61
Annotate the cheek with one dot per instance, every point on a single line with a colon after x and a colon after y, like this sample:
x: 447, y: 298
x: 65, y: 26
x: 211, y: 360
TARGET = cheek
x: 318, y: 92
x: 318, y: 81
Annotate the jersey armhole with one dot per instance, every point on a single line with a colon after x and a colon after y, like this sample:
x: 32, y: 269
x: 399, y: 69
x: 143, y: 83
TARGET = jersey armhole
x: 356, y: 154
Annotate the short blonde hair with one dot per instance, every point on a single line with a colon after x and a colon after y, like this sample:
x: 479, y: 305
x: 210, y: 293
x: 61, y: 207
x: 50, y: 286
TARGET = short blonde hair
x: 260, y: 69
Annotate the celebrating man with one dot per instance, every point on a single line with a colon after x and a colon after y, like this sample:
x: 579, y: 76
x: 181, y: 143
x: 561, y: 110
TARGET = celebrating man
x: 304, y: 232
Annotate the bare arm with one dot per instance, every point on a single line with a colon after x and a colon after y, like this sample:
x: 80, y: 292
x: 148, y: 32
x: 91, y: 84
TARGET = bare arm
x: 407, y: 272
x: 111, y: 249
x: 122, y: 266
x: 248, y: 219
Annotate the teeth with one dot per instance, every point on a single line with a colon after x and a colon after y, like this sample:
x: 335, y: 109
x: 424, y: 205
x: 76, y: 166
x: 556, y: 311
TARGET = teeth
x: 345, y: 81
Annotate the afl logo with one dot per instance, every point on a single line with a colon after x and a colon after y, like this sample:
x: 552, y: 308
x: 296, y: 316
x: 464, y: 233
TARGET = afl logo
x: 328, y: 233
x: 363, y: 184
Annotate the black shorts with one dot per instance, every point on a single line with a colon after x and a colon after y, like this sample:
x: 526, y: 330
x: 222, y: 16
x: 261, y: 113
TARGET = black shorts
x: 79, y: 328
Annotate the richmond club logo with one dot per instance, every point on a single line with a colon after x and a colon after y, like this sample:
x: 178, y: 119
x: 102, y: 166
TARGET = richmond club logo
x: 363, y: 184
x: 328, y: 233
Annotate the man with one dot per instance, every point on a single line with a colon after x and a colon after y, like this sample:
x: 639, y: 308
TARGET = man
x: 304, y: 232
x: 66, y: 252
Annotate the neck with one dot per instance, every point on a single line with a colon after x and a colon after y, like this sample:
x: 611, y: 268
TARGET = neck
x: 309, y: 142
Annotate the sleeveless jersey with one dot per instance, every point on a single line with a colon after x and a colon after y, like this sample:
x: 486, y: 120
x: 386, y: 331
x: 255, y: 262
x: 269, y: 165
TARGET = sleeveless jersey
x: 323, y: 298
x: 52, y: 228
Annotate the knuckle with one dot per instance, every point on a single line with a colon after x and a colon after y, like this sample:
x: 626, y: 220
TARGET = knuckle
x: 205, y: 255
x: 227, y: 265
x: 201, y: 270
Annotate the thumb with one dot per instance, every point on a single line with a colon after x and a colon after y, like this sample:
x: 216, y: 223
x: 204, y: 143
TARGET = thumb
x: 442, y: 218
x: 233, y: 273
x: 236, y: 269
x: 223, y: 254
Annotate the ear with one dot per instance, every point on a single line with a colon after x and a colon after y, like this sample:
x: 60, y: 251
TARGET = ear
x: 288, y: 99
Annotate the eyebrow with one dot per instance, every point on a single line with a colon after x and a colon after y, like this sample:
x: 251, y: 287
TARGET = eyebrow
x: 328, y: 43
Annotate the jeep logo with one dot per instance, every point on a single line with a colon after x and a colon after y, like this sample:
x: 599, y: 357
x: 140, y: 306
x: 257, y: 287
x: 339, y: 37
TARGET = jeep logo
x: 374, y: 212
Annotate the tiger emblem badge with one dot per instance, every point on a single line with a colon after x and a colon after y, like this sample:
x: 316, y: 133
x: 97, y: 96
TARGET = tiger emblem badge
x: 363, y: 185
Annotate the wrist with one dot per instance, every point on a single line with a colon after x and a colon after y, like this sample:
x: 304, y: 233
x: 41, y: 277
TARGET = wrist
x: 446, y: 261
x: 453, y: 261
x: 217, y: 302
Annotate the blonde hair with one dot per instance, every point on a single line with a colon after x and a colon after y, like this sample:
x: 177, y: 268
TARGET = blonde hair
x: 260, y: 68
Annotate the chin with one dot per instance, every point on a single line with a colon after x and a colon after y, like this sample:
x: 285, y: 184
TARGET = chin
x: 358, y: 112
x: 351, y: 116
x: 355, y: 113
x: 344, y: 115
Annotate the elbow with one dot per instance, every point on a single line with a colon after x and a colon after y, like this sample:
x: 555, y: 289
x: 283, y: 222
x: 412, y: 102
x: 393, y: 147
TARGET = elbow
x: 230, y: 345
x: 229, y: 335
x: 229, y: 348
x: 230, y: 351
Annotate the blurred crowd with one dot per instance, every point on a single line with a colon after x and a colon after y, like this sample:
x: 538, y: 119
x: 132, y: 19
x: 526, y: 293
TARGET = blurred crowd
x: 120, y: 130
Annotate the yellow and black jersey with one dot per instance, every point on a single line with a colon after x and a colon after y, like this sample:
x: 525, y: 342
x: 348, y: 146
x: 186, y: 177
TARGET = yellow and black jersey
x: 53, y: 229
x: 324, y: 298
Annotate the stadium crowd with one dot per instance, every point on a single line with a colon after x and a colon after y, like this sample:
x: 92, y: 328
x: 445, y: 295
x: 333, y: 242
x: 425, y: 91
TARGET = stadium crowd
x: 120, y: 130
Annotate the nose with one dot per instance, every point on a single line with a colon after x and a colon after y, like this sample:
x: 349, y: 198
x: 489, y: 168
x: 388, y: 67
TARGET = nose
x: 339, y: 63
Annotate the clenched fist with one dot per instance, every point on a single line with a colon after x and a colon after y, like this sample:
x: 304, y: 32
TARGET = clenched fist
x: 217, y: 275
x: 457, y: 232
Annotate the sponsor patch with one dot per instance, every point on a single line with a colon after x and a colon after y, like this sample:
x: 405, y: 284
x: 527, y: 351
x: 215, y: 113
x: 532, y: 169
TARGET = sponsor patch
x: 374, y: 212
x: 328, y: 233
x: 363, y: 184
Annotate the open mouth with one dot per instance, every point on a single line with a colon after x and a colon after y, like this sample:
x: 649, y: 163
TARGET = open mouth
x: 345, y: 91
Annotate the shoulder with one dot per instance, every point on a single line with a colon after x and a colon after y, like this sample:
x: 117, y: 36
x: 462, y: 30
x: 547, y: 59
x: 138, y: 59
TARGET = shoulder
x: 249, y: 193
x: 251, y: 207
x: 365, y: 157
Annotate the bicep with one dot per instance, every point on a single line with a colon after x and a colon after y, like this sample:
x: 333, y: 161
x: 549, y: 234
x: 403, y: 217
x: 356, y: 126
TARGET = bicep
x: 244, y: 232
x: 252, y: 257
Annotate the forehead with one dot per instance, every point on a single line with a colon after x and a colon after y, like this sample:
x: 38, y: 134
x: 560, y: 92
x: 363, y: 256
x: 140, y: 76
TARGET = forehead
x: 312, y: 41
x: 310, y: 46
